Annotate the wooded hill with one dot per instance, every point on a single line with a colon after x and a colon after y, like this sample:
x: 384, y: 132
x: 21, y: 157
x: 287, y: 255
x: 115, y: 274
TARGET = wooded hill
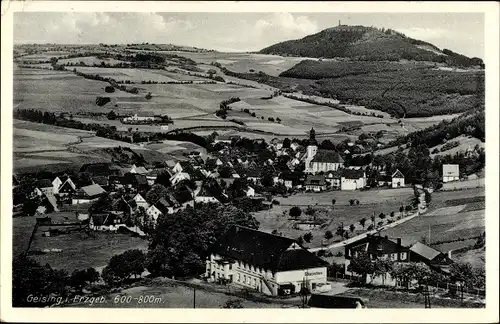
x: 361, y: 43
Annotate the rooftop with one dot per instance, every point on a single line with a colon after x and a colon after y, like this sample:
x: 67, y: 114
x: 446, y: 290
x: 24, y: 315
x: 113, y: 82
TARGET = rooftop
x: 327, y: 156
x: 264, y: 250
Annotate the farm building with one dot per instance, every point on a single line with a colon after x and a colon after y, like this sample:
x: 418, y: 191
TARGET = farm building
x: 250, y: 192
x: 136, y: 118
x: 178, y: 177
x: 333, y: 178
x: 134, y: 180
x: 274, y: 265
x: 105, y: 222
x: 396, y: 250
x: 88, y: 194
x: 352, y: 179
x: 67, y: 188
x: 48, y: 204
x: 140, y: 201
x: 315, y: 182
x: 451, y: 172
x: 43, y: 186
x: 254, y: 175
x: 58, y: 182
x: 207, y: 194
x: 102, y: 181
x: 398, y: 179
x: 138, y: 169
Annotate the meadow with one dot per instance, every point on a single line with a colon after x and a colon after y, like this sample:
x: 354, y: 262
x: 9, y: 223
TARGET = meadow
x: 80, y: 251
x: 456, y: 216
x: 372, y: 202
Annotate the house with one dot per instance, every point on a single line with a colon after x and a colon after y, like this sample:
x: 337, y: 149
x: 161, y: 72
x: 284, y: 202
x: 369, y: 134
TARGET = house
x: 351, y: 179
x: 208, y: 193
x: 140, y: 201
x: 135, y: 118
x: 274, y: 265
x: 101, y: 180
x: 88, y: 194
x: 135, y: 181
x: 254, y: 174
x: 250, y: 192
x: 384, y: 180
x: 56, y: 184
x: 451, y: 172
x: 396, y: 250
x: 398, y: 179
x: 105, y: 222
x: 48, y: 204
x: 315, y: 182
x: 333, y: 179
x: 43, y: 186
x: 170, y: 164
x: 138, y: 169
x: 178, y: 177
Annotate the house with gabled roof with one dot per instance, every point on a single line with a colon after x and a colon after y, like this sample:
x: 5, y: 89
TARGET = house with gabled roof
x: 88, y: 194
x: 140, y: 201
x: 48, y: 204
x: 398, y: 179
x: 42, y: 187
x: 315, y: 182
x: 254, y: 174
x: 271, y: 264
x: 208, y: 193
x: 138, y: 169
x: 352, y: 179
x: 397, y: 250
x: 67, y: 189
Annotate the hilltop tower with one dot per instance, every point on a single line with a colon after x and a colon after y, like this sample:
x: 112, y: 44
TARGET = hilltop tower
x: 312, y: 147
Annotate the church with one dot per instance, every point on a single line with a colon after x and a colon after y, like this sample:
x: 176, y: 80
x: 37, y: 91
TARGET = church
x: 318, y: 160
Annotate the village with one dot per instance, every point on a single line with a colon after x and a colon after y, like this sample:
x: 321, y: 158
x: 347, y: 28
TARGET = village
x: 134, y: 199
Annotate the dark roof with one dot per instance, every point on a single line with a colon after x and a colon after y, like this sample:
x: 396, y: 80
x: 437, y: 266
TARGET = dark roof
x: 100, y: 180
x: 384, y: 178
x: 333, y: 301
x: 134, y: 179
x: 253, y: 173
x: 318, y: 180
x: 352, y: 174
x: 328, y: 156
x: 264, y: 250
x: 183, y: 195
x: 44, y: 183
x: 398, y: 174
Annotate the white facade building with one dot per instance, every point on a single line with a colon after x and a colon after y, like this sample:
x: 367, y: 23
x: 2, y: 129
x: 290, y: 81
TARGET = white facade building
x: 271, y: 264
x: 398, y: 179
x: 352, y: 179
x: 317, y: 160
x: 451, y: 172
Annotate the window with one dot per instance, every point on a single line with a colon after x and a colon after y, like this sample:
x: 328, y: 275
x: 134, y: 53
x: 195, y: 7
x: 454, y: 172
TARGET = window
x: 403, y: 255
x: 239, y: 277
x: 230, y: 267
x: 254, y: 282
x: 394, y: 256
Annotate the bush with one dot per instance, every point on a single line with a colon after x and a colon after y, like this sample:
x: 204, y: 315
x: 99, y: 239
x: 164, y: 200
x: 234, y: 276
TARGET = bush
x: 109, y: 89
x: 308, y: 237
x: 101, y: 101
x: 328, y: 235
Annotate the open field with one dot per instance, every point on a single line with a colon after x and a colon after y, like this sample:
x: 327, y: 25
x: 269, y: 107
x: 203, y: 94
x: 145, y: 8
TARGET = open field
x: 38, y: 145
x: 447, y: 219
x: 22, y: 227
x: 373, y: 201
x: 245, y: 62
x: 465, y: 143
x: 174, y: 294
x: 80, y: 251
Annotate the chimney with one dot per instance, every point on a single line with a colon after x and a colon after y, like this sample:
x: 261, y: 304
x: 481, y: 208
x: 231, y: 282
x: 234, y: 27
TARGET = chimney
x: 398, y: 240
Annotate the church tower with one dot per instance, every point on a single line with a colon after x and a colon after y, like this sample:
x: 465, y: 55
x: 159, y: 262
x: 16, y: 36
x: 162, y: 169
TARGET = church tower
x: 312, y: 147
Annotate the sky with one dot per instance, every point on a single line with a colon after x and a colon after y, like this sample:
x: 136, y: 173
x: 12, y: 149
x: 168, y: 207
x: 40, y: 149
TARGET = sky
x: 238, y: 32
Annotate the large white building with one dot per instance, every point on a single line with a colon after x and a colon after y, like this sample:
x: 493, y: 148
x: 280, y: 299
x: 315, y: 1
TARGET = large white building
x: 352, y: 179
x: 271, y: 264
x: 451, y: 172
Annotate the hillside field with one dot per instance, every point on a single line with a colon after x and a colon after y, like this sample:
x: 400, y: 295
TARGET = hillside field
x: 371, y: 202
x: 452, y: 215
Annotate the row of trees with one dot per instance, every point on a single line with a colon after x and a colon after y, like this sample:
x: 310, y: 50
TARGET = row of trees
x: 408, y: 272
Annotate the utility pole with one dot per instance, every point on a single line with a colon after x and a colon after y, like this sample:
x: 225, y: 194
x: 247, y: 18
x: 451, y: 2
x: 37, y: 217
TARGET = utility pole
x: 429, y: 235
x: 427, y: 297
x: 194, y: 297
